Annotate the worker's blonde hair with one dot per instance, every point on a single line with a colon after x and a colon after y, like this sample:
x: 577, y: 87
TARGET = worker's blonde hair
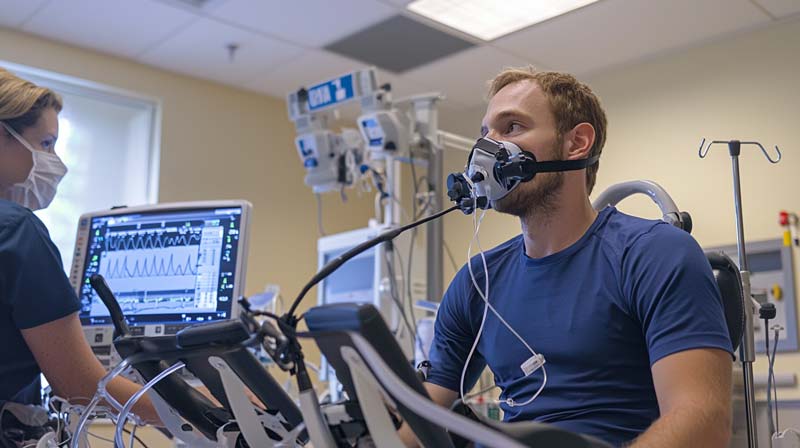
x: 571, y: 103
x: 22, y: 102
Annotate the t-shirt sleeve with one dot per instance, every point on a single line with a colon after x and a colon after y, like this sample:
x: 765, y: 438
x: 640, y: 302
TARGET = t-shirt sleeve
x: 34, y: 285
x: 673, y: 293
x: 454, y: 334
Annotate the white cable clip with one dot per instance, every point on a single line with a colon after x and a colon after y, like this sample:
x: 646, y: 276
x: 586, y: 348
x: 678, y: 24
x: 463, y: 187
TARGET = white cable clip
x: 532, y: 364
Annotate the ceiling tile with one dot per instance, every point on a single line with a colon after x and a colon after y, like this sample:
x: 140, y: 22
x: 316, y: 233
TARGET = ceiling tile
x: 311, y: 23
x: 119, y: 27
x: 399, y: 44
x: 15, y: 12
x: 311, y: 67
x: 200, y: 50
x: 463, y: 76
x: 780, y: 8
x: 611, y: 32
x: 403, y: 86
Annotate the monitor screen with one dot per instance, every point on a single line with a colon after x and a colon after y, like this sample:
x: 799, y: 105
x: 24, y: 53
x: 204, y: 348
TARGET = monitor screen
x: 164, y: 266
x: 354, y: 281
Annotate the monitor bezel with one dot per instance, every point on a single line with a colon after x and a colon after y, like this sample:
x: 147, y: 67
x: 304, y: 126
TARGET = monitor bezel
x: 84, y: 228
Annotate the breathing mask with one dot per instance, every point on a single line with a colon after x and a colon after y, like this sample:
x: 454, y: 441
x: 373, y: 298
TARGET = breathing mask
x: 39, y: 189
x: 496, y: 168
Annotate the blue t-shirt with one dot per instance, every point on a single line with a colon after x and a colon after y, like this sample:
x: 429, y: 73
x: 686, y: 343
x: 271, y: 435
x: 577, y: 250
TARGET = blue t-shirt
x: 34, y: 290
x: 602, y: 311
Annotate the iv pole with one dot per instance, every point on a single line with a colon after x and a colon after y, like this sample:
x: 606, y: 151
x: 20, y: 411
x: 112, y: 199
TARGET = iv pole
x: 747, y: 350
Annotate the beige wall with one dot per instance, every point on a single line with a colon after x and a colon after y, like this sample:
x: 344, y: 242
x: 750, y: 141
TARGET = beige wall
x: 744, y: 87
x: 219, y: 143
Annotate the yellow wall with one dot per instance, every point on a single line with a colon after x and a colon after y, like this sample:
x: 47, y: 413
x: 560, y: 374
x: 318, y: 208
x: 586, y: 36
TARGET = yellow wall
x: 219, y: 143
x: 744, y: 87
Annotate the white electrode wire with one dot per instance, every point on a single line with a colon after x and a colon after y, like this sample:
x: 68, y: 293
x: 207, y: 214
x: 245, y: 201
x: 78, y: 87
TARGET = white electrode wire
x: 485, y: 296
x: 101, y: 393
x: 123, y: 414
x: 477, y: 225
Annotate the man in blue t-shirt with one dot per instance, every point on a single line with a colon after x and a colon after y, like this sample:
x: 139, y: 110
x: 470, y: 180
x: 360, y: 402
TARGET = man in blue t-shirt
x: 625, y: 311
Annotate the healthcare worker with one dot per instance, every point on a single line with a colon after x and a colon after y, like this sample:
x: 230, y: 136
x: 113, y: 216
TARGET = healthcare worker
x: 39, y: 326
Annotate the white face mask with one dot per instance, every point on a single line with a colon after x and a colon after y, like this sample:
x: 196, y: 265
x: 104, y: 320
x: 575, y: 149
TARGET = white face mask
x: 39, y: 189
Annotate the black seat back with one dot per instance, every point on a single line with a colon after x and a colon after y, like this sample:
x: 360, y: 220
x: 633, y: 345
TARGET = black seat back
x: 329, y: 324
x: 729, y: 281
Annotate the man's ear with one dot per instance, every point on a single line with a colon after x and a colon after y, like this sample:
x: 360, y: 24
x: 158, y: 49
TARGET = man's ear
x: 578, y: 142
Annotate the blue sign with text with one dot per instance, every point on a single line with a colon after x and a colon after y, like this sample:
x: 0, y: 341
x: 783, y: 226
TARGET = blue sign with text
x: 332, y: 92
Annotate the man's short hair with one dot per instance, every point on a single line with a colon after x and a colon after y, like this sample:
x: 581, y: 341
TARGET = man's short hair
x: 571, y: 102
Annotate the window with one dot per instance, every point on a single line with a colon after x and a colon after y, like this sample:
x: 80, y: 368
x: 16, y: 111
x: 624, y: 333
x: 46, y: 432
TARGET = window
x: 109, y: 140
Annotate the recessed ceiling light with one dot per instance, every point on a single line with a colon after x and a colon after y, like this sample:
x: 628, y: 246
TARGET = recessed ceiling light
x: 490, y: 19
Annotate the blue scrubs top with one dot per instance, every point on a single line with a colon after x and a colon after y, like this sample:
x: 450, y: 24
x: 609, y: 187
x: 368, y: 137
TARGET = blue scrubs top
x: 34, y: 290
x: 602, y: 311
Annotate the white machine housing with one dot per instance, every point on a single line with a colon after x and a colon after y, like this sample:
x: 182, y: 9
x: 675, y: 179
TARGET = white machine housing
x: 366, y: 279
x: 385, y: 130
x: 100, y: 336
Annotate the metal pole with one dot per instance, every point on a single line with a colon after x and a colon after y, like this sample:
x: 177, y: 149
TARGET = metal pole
x: 435, y: 239
x: 427, y: 121
x: 747, y: 351
x: 737, y: 200
x: 391, y: 210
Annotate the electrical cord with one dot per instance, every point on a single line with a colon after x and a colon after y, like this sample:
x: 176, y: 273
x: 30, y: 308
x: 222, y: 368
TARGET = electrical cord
x: 141, y: 442
x: 395, y: 298
x: 99, y: 437
x: 396, y: 331
x: 406, y: 292
x: 772, y: 375
x: 770, y: 420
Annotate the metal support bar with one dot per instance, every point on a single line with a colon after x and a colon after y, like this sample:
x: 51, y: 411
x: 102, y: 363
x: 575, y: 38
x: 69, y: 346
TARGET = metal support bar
x: 455, y: 141
x: 435, y: 237
x: 427, y: 123
x: 747, y: 351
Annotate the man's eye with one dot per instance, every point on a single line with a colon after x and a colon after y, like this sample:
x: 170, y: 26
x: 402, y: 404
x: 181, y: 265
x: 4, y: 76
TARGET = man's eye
x: 513, y: 127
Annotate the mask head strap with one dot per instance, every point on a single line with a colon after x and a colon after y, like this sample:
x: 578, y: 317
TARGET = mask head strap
x: 17, y: 136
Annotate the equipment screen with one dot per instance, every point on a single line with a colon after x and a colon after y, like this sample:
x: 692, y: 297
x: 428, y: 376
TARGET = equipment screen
x: 354, y: 281
x: 163, y: 266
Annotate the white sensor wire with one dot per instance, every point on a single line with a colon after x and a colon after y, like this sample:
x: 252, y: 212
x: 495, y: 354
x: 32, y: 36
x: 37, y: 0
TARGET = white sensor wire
x: 484, y: 294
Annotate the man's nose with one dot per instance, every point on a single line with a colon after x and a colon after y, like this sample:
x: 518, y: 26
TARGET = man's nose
x: 492, y: 134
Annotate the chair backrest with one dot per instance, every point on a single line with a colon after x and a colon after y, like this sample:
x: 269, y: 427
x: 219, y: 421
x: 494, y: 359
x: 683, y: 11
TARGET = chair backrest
x: 729, y: 281
x: 329, y: 326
